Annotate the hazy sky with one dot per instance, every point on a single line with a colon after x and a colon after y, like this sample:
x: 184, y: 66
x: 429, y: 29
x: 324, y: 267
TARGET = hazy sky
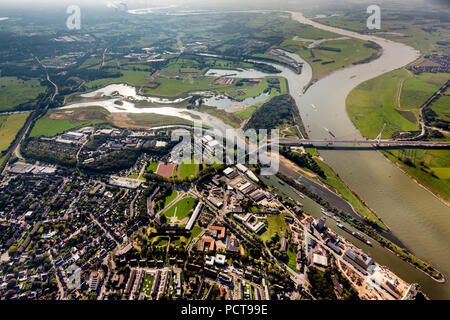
x: 207, y: 3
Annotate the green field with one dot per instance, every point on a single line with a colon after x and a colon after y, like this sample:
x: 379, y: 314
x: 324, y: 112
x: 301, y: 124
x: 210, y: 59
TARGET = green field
x: 442, y: 107
x: 196, y: 230
x: 134, y: 78
x: 182, y: 207
x: 15, y: 91
x: 170, y: 198
x: 186, y: 170
x: 424, y: 36
x: 184, y: 66
x: 374, y: 102
x: 292, y: 254
x: 418, y: 89
x: 276, y: 224
x: 51, y: 127
x: 152, y: 166
x: 9, y: 127
x: 351, y: 51
x: 176, y: 87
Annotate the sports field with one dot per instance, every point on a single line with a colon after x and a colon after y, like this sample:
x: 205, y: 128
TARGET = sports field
x: 165, y: 170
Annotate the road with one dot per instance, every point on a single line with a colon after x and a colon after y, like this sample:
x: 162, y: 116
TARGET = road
x: 355, y: 143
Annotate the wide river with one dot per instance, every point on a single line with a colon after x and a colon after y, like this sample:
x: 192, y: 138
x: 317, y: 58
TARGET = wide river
x: 415, y: 216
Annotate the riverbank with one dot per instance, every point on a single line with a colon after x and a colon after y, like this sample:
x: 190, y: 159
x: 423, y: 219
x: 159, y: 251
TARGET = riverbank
x: 402, y: 253
x: 417, y: 218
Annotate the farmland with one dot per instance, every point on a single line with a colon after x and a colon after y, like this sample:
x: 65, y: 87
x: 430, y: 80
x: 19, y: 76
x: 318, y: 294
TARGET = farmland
x: 9, y: 127
x: 373, y: 103
x: 332, y: 55
x: 57, y: 122
x: 15, y: 91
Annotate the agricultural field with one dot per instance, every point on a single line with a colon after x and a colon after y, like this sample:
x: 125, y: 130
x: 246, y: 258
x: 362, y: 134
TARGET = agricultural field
x: 375, y: 102
x: 133, y: 78
x: 9, y: 127
x: 331, y: 55
x: 15, y: 91
x: 426, y: 34
x: 442, y: 107
x: 57, y: 122
x: 185, y: 66
x: 418, y: 88
x: 393, y: 98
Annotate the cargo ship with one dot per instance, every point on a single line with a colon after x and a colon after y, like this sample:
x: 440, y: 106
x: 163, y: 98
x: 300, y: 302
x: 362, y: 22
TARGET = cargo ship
x: 355, y: 234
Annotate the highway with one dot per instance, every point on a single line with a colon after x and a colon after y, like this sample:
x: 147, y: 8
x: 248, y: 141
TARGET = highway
x: 355, y: 143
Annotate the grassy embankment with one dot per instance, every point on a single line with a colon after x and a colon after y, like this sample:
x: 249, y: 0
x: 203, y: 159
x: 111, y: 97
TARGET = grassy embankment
x: 333, y: 180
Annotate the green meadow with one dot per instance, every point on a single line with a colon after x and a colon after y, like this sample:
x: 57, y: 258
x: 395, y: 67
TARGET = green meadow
x: 9, y: 127
x: 276, y: 224
x: 324, y: 62
x: 181, y: 209
x: 15, y: 91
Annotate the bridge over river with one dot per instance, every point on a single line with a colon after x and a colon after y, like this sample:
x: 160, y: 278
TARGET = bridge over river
x: 378, y: 143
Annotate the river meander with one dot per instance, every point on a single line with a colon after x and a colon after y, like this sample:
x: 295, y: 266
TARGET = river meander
x: 415, y: 216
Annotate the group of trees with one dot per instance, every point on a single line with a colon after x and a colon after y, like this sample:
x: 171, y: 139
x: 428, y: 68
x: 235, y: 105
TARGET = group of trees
x: 321, y: 284
x: 279, y: 110
x: 304, y: 160
x: 49, y: 151
x: 274, y: 246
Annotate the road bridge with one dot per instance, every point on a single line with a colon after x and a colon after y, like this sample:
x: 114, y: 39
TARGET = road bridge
x: 365, y: 143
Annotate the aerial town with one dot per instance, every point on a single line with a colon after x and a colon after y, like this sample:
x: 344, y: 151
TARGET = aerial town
x: 224, y: 151
x: 132, y: 238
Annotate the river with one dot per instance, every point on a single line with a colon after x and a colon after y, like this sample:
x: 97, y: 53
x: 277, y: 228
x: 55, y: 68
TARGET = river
x: 415, y: 216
